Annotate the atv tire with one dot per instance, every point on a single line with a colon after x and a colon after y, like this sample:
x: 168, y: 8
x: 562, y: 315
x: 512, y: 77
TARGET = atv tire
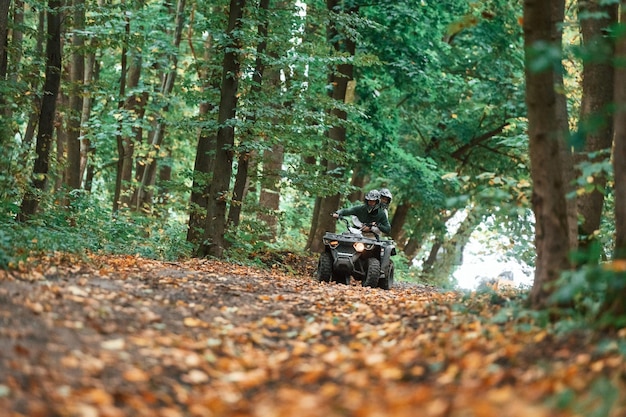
x: 373, y: 273
x: 387, y: 282
x: 324, y: 267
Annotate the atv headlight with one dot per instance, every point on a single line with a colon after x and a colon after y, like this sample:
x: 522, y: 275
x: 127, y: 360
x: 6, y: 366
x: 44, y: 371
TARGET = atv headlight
x: 333, y: 244
x: 359, y: 246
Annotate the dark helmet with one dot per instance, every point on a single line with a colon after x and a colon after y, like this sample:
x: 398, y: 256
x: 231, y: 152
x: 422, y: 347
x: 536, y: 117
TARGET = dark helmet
x: 372, y: 195
x: 384, y: 192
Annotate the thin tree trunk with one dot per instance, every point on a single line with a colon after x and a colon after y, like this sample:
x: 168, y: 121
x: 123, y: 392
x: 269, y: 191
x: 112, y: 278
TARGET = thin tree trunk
x: 165, y: 178
x: 215, y: 229
x: 399, y: 219
x: 619, y: 147
x: 17, y: 40
x: 31, y: 126
x: 337, y: 133
x: 135, y: 105
x: 144, y: 195
x: 562, y: 119
x: 77, y: 76
x: 85, y: 142
x: 359, y: 179
x: 205, y: 157
x: 202, y: 175
x: 597, y: 97
x: 9, y: 74
x: 549, y: 204
x: 121, y: 150
x: 89, y: 149
x: 245, y: 155
x: 451, y: 257
x: 4, y: 27
x: 240, y: 188
x: 31, y: 200
x: 314, y: 220
x: 432, y: 257
x: 57, y: 173
x: 412, y: 246
x: 269, y: 198
x: 614, y: 304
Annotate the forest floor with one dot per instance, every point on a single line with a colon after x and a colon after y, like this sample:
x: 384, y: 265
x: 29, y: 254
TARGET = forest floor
x: 125, y: 336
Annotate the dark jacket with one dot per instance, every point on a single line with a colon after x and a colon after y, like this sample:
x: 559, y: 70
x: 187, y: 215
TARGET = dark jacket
x: 377, y: 216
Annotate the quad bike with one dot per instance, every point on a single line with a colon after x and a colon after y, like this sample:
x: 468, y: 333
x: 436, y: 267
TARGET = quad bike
x: 351, y: 254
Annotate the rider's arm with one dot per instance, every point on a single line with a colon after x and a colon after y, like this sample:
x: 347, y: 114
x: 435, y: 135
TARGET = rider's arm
x: 383, y: 223
x: 347, y: 211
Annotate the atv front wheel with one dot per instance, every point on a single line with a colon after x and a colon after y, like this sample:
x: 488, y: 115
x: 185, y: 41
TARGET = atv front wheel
x: 387, y: 282
x: 324, y: 267
x: 373, y: 273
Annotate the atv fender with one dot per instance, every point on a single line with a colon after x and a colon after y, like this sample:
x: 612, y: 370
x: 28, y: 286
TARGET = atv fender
x: 385, y: 259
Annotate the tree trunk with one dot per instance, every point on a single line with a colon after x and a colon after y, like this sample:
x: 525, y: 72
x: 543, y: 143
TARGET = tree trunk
x: 17, y: 40
x: 562, y: 119
x: 245, y: 155
x: 359, y: 179
x: 240, y: 188
x: 614, y: 304
x: 4, y: 25
x: 269, y: 198
x: 77, y: 76
x: 412, y: 246
x: 548, y: 200
x: 205, y: 157
x: 121, y: 149
x: 619, y: 147
x: 399, y: 218
x: 202, y: 175
x: 142, y: 200
x: 31, y: 126
x: 85, y: 143
x: 31, y: 200
x: 215, y: 229
x: 6, y: 113
x: 445, y: 263
x: 165, y: 178
x: 57, y: 174
x: 89, y: 149
x: 314, y: 220
x: 339, y: 78
x: 429, y: 263
x: 135, y: 107
x: 595, y: 119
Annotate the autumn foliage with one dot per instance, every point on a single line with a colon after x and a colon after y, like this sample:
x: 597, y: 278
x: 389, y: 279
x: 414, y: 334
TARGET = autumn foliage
x: 126, y: 336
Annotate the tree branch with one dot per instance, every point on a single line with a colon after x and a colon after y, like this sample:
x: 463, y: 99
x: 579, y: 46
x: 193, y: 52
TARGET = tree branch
x: 458, y: 154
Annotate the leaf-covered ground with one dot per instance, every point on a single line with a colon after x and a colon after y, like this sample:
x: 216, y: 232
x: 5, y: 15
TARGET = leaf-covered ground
x: 125, y: 336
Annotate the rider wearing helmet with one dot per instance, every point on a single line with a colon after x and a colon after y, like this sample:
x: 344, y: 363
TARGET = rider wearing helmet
x: 371, y: 213
x: 385, y: 198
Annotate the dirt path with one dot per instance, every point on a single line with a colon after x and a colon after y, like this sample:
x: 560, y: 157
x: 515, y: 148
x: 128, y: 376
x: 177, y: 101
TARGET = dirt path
x: 131, y: 337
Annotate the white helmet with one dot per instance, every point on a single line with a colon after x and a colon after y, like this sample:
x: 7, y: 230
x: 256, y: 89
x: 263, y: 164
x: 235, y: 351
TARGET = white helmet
x: 384, y: 192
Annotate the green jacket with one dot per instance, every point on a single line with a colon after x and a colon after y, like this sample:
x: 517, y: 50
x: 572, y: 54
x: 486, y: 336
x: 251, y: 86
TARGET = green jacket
x: 377, y: 216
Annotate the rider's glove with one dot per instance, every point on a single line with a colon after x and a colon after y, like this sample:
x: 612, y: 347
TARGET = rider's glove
x: 375, y: 229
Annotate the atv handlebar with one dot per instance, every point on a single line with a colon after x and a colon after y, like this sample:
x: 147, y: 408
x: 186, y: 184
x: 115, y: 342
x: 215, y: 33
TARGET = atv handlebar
x: 359, y: 225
